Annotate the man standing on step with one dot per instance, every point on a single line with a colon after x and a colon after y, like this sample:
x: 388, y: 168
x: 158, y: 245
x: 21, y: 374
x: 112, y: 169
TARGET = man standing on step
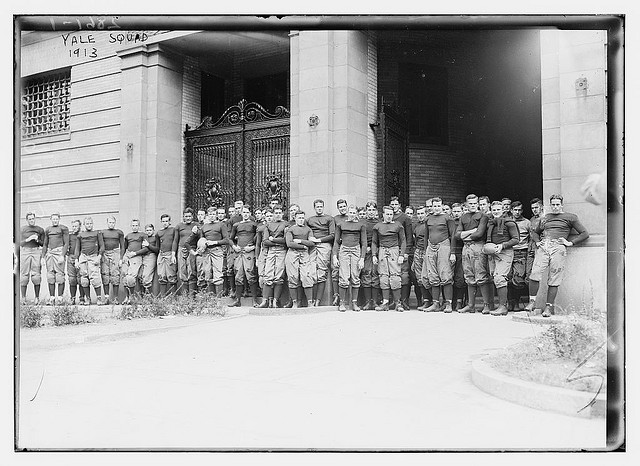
x: 323, y: 229
x: 150, y: 258
x: 274, y: 261
x: 439, y: 239
x: 349, y: 249
x: 518, y: 278
x: 555, y: 230
x: 89, y: 250
x: 472, y: 230
x: 243, y: 242
x: 459, y: 285
x: 261, y: 250
x: 54, y: 251
x: 503, y: 232
x: 388, y: 248
x: 112, y: 258
x: 369, y: 278
x: 31, y: 240
x: 167, y: 256
x: 341, y: 217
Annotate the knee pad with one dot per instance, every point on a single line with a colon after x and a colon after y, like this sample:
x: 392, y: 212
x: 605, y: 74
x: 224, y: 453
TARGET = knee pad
x: 24, y: 281
x: 84, y: 282
x: 129, y: 281
x: 36, y: 278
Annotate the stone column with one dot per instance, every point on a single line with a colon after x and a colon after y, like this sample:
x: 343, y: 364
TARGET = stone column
x: 574, y: 128
x: 329, y: 81
x: 151, y: 132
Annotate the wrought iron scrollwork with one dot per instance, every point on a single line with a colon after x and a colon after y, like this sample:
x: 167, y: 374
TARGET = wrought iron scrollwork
x: 273, y: 187
x: 213, y: 191
x: 243, y: 112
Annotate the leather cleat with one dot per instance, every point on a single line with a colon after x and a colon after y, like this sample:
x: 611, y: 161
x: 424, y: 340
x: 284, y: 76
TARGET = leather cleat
x: 236, y: 303
x: 342, y: 308
x: 447, y: 307
x: 467, y: 308
x: 531, y: 306
x: 400, y: 307
x: 500, y: 311
x: 435, y: 307
x: 355, y: 307
x: 288, y: 305
x: 264, y: 304
x: 336, y: 300
x: 548, y: 310
x: 486, y: 309
x: 425, y: 304
x: 383, y: 307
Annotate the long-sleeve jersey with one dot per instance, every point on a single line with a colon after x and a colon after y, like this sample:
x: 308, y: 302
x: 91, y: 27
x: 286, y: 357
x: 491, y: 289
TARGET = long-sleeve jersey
x: 133, y: 243
x: 55, y: 237
x: 404, y: 220
x: 554, y: 226
x: 439, y: 227
x: 261, y: 231
x: 213, y: 232
x: 185, y: 235
x: 73, y: 241
x: 323, y: 227
x: 351, y: 234
x: 275, y: 229
x: 27, y: 231
x: 469, y: 221
x: 524, y: 227
x: 457, y: 249
x: 418, y: 235
x: 502, y: 231
x: 168, y: 238
x: 299, y: 232
x: 89, y: 243
x: 154, y: 244
x: 113, y: 238
x: 244, y: 233
x: 388, y: 235
x: 369, y: 224
x: 535, y: 220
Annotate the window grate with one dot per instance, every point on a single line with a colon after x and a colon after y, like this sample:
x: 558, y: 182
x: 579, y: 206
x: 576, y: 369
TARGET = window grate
x: 46, y: 105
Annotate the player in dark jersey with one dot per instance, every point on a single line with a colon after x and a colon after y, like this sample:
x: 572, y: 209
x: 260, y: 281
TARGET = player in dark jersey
x: 243, y: 242
x: 351, y: 242
x: 217, y: 241
x: 323, y: 229
x: 150, y: 258
x: 296, y: 261
x: 167, y: 262
x: 187, y: 269
x: 342, y: 206
x: 134, y: 250
x: 369, y: 278
x: 112, y: 259
x: 261, y: 250
x: 503, y: 232
x: 274, y: 239
x: 31, y: 240
x: 472, y: 230
x: 388, y: 248
x: 54, y: 251
x: 459, y: 285
x: 72, y: 270
x: 555, y: 229
x: 439, y: 236
x: 89, y: 250
x: 402, y: 218
x: 418, y: 255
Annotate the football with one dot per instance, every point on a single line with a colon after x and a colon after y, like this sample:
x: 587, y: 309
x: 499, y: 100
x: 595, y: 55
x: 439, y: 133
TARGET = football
x: 489, y: 248
x: 202, y: 245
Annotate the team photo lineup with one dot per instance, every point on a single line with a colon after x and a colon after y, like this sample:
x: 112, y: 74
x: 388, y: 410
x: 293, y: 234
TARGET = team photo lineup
x: 455, y: 257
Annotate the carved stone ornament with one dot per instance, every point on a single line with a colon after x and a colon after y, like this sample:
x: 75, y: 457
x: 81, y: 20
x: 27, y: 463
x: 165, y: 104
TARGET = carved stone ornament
x: 273, y: 187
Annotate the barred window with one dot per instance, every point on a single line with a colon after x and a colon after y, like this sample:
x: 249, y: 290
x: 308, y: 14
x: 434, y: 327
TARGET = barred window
x: 46, y: 104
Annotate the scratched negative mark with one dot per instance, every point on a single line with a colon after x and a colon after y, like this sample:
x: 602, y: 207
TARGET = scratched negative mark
x: 583, y: 362
x: 39, y: 385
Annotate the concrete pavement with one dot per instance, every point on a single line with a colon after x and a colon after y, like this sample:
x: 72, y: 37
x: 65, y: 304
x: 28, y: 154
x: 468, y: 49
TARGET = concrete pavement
x: 324, y: 381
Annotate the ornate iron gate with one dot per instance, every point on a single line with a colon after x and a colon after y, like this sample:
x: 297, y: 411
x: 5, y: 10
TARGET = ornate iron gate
x: 243, y: 155
x: 394, y: 162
